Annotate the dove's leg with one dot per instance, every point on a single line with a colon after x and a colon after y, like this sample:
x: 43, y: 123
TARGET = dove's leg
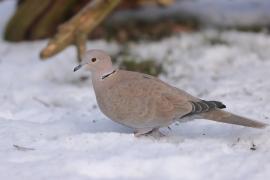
x: 148, y: 132
x: 142, y: 131
x: 155, y: 133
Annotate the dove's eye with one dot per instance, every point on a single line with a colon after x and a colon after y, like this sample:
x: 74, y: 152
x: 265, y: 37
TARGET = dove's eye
x: 93, y: 59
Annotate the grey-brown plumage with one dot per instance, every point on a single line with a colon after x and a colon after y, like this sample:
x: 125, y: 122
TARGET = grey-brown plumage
x: 204, y: 106
x: 145, y: 103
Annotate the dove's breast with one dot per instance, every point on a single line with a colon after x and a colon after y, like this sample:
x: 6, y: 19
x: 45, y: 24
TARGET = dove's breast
x: 128, y: 106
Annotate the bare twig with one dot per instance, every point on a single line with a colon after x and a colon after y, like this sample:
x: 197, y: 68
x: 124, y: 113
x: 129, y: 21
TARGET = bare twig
x: 76, y: 30
x: 41, y: 102
x: 21, y: 148
x: 159, y: 2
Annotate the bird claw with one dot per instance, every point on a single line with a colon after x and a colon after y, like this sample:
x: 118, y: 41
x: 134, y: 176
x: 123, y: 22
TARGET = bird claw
x: 152, y: 133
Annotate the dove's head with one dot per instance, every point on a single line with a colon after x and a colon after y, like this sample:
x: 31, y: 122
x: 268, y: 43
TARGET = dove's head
x: 97, y: 61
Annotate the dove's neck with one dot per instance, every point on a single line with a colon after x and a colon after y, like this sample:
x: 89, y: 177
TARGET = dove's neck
x: 98, y: 78
x: 102, y: 74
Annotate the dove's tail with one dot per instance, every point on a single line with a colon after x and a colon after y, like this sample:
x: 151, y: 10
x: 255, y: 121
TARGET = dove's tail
x: 226, y: 117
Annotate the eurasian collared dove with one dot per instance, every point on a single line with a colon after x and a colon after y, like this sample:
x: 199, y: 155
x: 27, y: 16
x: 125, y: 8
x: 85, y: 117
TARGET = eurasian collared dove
x: 145, y: 103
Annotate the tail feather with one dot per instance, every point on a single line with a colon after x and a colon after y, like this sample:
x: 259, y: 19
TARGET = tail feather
x: 226, y: 117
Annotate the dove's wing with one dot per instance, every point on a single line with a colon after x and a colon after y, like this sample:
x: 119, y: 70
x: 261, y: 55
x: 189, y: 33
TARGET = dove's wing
x: 144, y: 101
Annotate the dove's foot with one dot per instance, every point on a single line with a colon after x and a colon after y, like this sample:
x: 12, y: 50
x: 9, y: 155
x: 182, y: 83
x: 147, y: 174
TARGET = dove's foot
x: 155, y: 133
x: 142, y: 131
x: 148, y: 132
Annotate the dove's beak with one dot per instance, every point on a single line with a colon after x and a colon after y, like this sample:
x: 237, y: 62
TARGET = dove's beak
x: 77, y: 67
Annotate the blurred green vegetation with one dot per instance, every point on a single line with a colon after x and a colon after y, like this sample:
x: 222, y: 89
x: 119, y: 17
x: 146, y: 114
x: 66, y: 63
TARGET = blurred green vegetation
x: 131, y: 62
x: 147, y: 66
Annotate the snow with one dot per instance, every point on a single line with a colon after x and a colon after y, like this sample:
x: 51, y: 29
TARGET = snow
x: 51, y: 114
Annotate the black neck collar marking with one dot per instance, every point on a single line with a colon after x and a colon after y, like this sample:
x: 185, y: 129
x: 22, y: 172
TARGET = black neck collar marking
x: 107, y: 75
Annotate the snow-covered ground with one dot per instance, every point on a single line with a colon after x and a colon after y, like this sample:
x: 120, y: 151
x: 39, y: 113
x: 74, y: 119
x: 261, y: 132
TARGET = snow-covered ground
x: 52, y: 115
